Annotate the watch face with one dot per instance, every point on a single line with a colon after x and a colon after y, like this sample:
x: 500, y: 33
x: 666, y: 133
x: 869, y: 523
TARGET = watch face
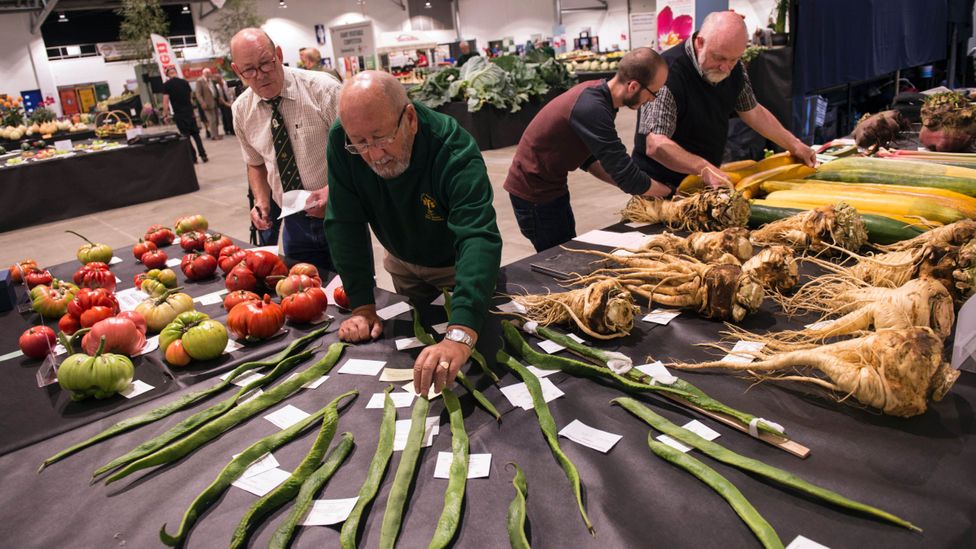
x: 459, y: 336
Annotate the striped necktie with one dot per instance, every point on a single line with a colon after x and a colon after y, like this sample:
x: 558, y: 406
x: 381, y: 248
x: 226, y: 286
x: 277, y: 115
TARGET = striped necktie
x: 284, y: 155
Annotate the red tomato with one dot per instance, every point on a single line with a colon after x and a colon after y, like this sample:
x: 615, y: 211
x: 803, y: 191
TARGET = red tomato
x: 238, y: 296
x: 95, y: 275
x: 37, y: 342
x: 295, y: 283
x: 99, y: 312
x: 69, y: 324
x: 17, y: 269
x: 216, y: 242
x: 142, y: 247
x: 229, y: 258
x: 154, y: 259
x: 176, y: 355
x: 136, y: 318
x: 339, y: 295
x: 306, y: 269
x: 86, y: 298
x: 197, y: 266
x: 35, y: 277
x: 192, y: 240
x: 305, y: 306
x: 241, y: 278
x: 255, y: 319
x: 160, y: 236
x: 267, y: 267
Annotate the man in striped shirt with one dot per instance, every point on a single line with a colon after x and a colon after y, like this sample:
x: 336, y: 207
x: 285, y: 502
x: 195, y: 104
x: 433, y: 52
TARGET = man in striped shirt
x: 282, y: 121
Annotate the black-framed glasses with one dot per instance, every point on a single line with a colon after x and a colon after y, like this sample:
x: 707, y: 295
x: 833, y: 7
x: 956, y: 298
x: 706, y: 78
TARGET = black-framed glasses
x: 653, y: 94
x: 266, y: 67
x: 361, y: 148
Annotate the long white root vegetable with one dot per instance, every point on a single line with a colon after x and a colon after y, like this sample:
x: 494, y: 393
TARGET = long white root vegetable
x: 816, y: 230
x: 895, y: 371
x: 603, y: 310
x: 954, y: 234
x: 923, y: 302
x: 711, y: 210
x: 774, y: 268
x: 708, y: 247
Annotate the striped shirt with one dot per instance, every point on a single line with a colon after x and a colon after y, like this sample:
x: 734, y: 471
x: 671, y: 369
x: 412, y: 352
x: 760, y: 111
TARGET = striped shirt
x: 310, y: 104
x: 661, y: 115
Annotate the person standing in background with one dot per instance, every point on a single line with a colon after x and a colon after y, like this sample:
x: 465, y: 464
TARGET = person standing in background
x: 311, y: 59
x: 466, y: 53
x: 178, y: 94
x: 226, y: 98
x: 207, y: 97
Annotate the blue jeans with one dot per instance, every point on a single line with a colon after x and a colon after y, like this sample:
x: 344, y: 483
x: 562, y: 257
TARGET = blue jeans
x: 545, y: 225
x: 303, y: 238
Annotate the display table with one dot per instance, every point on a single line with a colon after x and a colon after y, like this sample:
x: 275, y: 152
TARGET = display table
x: 64, y: 188
x: 73, y: 136
x: 920, y: 469
x: 493, y: 128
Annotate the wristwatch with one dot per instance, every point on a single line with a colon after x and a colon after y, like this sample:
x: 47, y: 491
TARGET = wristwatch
x: 460, y: 336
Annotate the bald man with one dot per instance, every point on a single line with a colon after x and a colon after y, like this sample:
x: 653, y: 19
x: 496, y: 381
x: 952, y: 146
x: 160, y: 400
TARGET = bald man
x: 282, y: 122
x: 684, y: 131
x: 419, y: 181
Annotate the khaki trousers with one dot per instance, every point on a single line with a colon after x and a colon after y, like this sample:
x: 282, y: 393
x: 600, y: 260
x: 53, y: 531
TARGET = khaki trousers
x: 418, y: 283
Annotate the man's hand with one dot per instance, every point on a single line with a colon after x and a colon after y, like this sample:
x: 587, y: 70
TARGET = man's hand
x: 261, y: 216
x: 363, y: 325
x: 439, y: 364
x: 715, y: 178
x: 315, y: 204
x: 804, y: 154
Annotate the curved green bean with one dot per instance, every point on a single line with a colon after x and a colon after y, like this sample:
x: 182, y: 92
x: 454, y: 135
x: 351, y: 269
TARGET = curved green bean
x: 393, y: 514
x: 720, y: 453
x: 236, y: 467
x: 312, y: 485
x: 587, y: 351
x: 767, y: 536
x: 182, y: 402
x: 548, y: 426
x: 377, y: 469
x: 454, y: 494
x: 235, y: 416
x: 476, y: 356
x: 516, y: 511
x: 679, y: 388
x: 191, y: 423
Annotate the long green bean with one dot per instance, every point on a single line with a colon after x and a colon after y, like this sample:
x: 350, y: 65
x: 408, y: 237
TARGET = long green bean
x: 393, y: 514
x: 236, y: 467
x: 454, y: 494
x: 235, y: 416
x: 476, y: 356
x: 312, y: 485
x: 601, y: 357
x: 377, y: 469
x: 767, y: 536
x: 679, y: 388
x: 720, y: 453
x: 184, y: 401
x: 516, y: 511
x: 548, y: 426
x: 191, y: 423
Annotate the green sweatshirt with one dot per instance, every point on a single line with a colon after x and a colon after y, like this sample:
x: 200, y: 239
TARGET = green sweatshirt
x: 438, y: 213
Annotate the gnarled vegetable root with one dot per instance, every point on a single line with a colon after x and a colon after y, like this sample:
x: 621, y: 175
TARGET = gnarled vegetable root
x: 603, y: 310
x: 774, y: 268
x: 816, y: 230
x: 709, y: 247
x: 710, y: 210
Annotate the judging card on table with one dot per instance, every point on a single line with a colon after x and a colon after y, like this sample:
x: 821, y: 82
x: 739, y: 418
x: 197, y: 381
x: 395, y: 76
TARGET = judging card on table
x: 405, y: 343
x: 665, y: 439
x: 326, y: 512
x: 412, y: 389
x: 431, y: 430
x: 397, y: 309
x: 265, y: 464
x: 397, y: 374
x: 701, y: 429
x: 744, y: 352
x: 362, y: 367
x: 658, y: 372
x: 287, y: 416
x: 261, y: 484
x: 400, y: 400
x: 518, y: 394
x: 136, y: 388
x: 581, y: 433
x: 805, y: 543
x: 479, y: 465
x: 661, y: 316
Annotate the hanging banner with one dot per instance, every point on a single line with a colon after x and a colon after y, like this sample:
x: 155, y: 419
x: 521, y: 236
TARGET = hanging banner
x: 643, y: 30
x: 675, y: 22
x: 353, y: 40
x: 164, y: 55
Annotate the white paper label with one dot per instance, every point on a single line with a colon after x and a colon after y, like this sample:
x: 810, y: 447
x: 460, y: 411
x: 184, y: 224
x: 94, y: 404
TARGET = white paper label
x: 412, y: 389
x: 439, y: 300
x: 665, y: 439
x: 511, y: 307
x: 964, y: 344
x: 265, y: 464
x: 315, y: 383
x: 633, y: 240
x: 479, y: 465
x: 400, y: 400
x: 397, y: 374
x: 326, y: 512
x: 11, y: 354
x: 406, y: 343
x: 244, y: 380
x: 115, y: 260
x: 132, y: 132
x: 293, y: 202
x: 804, y: 543
x: 63, y: 145
x: 580, y: 433
x: 212, y: 298
x: 540, y: 373
x: 637, y: 224
x: 518, y: 394
x: 661, y: 316
x: 136, y: 388
x: 658, y: 372
x: 269, y: 249
x: 550, y: 346
x: 130, y: 298
x: 174, y: 262
x: 287, y: 416
x: 440, y: 328
x: 361, y: 367
x: 743, y: 351
x: 330, y: 289
x: 701, y: 429
x: 820, y: 325
x: 261, y: 484
x: 397, y: 309
x: 403, y: 431
x: 622, y: 253
x: 251, y: 395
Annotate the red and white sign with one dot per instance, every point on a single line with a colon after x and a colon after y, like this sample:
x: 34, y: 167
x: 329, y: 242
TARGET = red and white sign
x: 165, y: 57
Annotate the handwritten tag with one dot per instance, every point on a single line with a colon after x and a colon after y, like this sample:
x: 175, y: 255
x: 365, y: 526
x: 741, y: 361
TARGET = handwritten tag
x: 479, y: 465
x: 405, y: 343
x: 136, y: 388
x: 287, y: 416
x: 397, y: 309
x: 400, y: 400
x: 397, y: 374
x: 659, y: 374
x: 665, y: 439
x: 431, y: 430
x: 661, y: 316
x: 361, y: 367
x: 701, y: 429
x: 743, y: 351
x: 326, y: 512
x: 580, y: 433
x: 805, y: 543
x: 261, y: 484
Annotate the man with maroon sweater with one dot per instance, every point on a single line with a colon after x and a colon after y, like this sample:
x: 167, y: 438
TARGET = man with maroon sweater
x: 576, y: 130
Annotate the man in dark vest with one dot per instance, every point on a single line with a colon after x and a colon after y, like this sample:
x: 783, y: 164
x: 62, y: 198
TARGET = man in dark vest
x: 684, y: 131
x: 576, y: 131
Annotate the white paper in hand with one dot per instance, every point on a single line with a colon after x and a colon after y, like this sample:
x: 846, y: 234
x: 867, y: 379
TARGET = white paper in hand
x: 326, y: 512
x: 412, y: 389
x: 580, y: 433
x: 293, y: 202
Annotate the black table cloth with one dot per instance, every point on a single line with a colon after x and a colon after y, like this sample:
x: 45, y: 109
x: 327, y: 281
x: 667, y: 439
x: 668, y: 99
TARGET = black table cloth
x: 50, y: 190
x: 920, y: 469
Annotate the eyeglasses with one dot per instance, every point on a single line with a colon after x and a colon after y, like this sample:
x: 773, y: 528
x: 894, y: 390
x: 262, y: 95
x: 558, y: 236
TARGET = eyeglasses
x: 361, y: 148
x: 653, y: 94
x: 267, y: 67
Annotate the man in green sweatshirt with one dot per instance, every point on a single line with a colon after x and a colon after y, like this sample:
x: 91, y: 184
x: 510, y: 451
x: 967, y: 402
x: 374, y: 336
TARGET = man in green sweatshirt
x: 419, y: 181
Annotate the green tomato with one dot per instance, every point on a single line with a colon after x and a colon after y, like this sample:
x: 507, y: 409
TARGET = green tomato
x: 178, y: 326
x: 154, y: 288
x: 203, y: 338
x: 167, y: 277
x: 160, y: 311
x: 99, y: 376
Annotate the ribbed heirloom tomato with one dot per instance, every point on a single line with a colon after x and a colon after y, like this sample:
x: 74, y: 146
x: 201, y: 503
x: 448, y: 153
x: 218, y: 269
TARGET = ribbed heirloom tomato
x: 154, y: 259
x: 192, y: 240
x: 295, y: 283
x: 254, y: 320
x: 229, y: 257
x: 216, y: 242
x: 305, y: 306
x: 95, y: 275
x: 238, y: 296
x: 36, y: 277
x: 142, y: 247
x: 197, y: 266
x: 122, y: 335
x: 159, y: 235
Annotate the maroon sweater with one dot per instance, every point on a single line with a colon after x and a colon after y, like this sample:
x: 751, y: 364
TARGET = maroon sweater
x: 570, y: 132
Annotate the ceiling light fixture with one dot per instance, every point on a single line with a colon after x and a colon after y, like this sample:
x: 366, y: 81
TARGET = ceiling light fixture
x: 282, y: 4
x: 427, y: 5
x: 186, y: 9
x: 62, y: 18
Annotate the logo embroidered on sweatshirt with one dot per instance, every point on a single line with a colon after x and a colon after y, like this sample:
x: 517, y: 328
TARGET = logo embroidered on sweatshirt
x: 430, y: 205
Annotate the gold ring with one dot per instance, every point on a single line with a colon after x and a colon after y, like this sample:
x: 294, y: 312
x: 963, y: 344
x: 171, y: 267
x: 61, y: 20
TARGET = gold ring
x: 445, y: 364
